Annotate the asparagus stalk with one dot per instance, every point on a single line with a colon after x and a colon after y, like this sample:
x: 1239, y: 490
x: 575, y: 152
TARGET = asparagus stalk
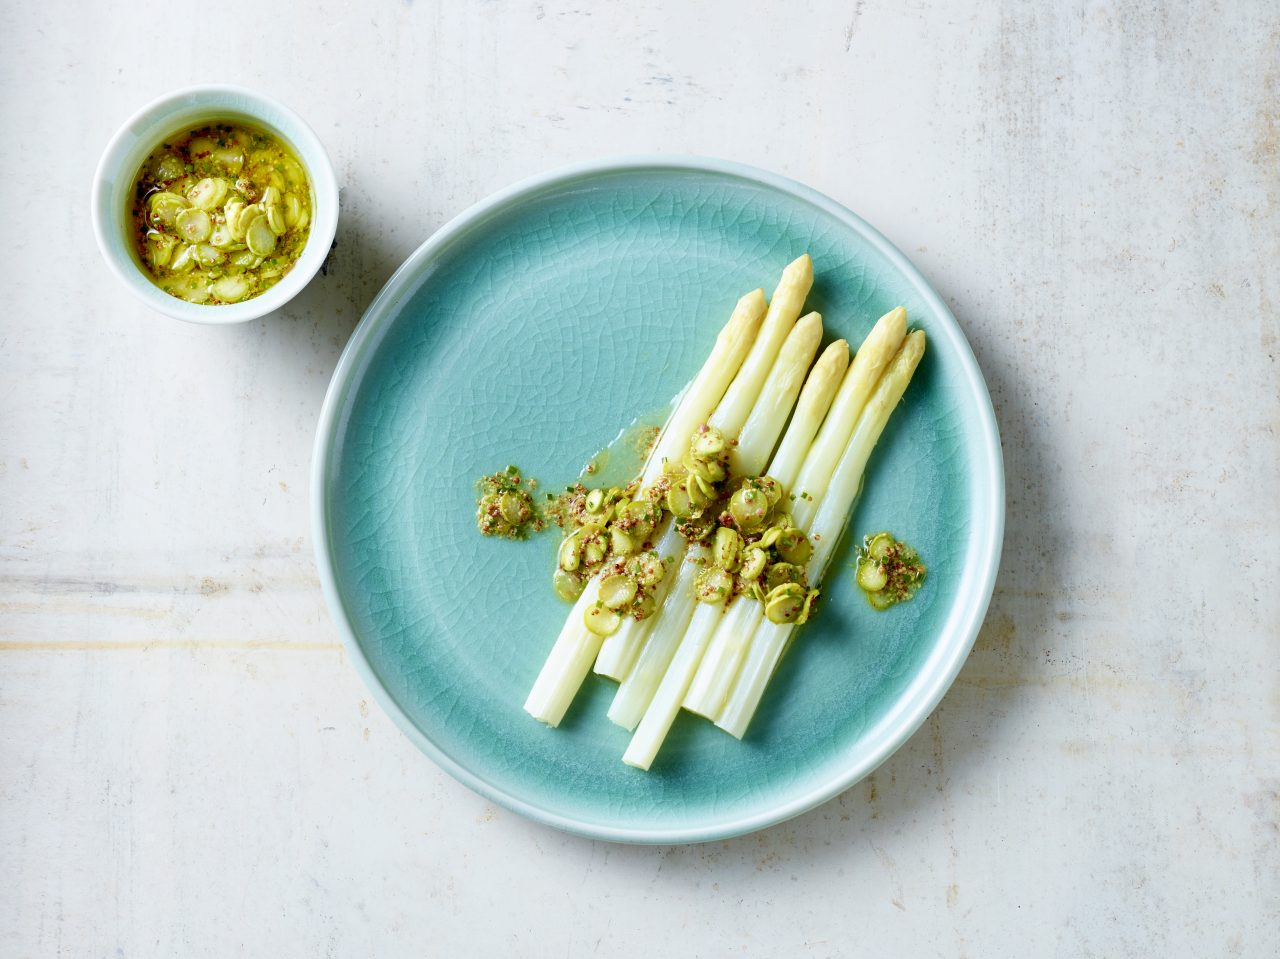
x: 819, y: 393
x: 743, y: 393
x: 828, y: 524
x: 726, y: 649
x: 777, y: 396
x: 653, y: 701
x: 758, y: 437
x: 742, y: 618
x: 665, y: 705
x: 654, y: 660
x: 732, y: 415
x: 617, y: 653
x: 733, y: 633
x: 864, y: 373
x: 576, y: 647
x: 707, y: 388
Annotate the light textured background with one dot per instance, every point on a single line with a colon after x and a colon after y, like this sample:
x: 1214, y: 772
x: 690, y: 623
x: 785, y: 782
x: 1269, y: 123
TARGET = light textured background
x: 190, y: 766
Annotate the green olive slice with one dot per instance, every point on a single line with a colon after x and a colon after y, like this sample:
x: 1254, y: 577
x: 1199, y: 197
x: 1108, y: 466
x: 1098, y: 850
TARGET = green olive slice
x: 713, y: 585
x: 201, y: 148
x: 753, y: 563
x: 514, y: 507
x: 621, y: 542
x: 230, y: 289
x: 642, y: 516
x: 209, y: 193
x: 780, y: 574
x: 231, y: 214
x: 567, y: 585
x: 569, y: 556
x: 644, y: 607
x: 680, y: 500
x: 160, y: 249
x: 701, y: 492
x: 193, y: 288
x: 793, y: 546
x: 726, y: 551
x: 292, y: 210
x: 194, y: 225
x: 748, y: 507
x: 163, y: 209
x: 594, y: 547
x: 182, y: 260
x: 708, y: 443
x: 259, y: 236
x: 881, y: 600
x: 223, y: 238
x: 872, y: 575
x: 601, y: 620
x: 807, y: 610
x: 292, y: 171
x: 230, y: 159
x: 275, y: 219
x: 709, y: 470
x: 880, y: 545
x: 169, y: 167
x: 771, y: 488
x: 617, y: 591
x: 647, y: 568
x: 206, y: 254
x: 785, y: 603
x: 770, y: 537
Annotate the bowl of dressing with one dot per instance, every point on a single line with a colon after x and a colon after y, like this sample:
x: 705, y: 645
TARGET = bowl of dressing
x: 215, y: 204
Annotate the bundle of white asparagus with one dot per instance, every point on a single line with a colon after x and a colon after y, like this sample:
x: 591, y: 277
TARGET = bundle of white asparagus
x: 701, y: 644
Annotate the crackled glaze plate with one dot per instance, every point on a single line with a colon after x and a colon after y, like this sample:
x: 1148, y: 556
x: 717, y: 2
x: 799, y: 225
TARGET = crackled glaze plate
x: 530, y: 330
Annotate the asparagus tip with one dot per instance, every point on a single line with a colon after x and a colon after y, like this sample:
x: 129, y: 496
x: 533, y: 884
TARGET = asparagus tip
x: 803, y: 264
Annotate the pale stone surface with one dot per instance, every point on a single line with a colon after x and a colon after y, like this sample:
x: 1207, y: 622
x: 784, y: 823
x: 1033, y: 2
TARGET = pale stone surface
x: 189, y: 765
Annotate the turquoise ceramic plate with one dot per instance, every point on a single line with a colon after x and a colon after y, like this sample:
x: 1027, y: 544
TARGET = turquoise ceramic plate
x: 529, y: 331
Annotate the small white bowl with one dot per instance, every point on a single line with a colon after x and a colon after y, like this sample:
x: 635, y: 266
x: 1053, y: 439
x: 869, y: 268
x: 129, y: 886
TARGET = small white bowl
x: 176, y: 113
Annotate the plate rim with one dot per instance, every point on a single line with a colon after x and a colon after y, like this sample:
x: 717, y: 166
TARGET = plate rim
x: 904, y: 718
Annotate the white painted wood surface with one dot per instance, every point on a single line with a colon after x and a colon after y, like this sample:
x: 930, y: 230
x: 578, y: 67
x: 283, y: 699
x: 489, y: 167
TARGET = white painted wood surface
x: 190, y: 766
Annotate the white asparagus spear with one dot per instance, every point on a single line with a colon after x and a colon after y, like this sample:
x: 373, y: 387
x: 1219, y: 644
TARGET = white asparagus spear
x: 619, y: 652
x: 741, y: 618
x: 707, y: 621
x: 744, y: 392
x: 654, y: 660
x: 707, y: 388
x: 777, y: 396
x: 864, y: 373
x: 665, y: 705
x: 576, y: 648
x: 759, y: 435
x: 819, y: 393
x: 828, y: 526
x: 728, y: 648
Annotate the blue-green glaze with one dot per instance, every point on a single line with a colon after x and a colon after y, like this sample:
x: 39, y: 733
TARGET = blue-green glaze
x: 529, y: 331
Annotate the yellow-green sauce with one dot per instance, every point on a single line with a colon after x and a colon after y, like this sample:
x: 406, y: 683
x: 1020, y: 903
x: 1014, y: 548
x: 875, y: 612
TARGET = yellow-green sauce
x: 505, y: 506
x: 221, y: 213
x: 751, y: 544
x: 889, y: 571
